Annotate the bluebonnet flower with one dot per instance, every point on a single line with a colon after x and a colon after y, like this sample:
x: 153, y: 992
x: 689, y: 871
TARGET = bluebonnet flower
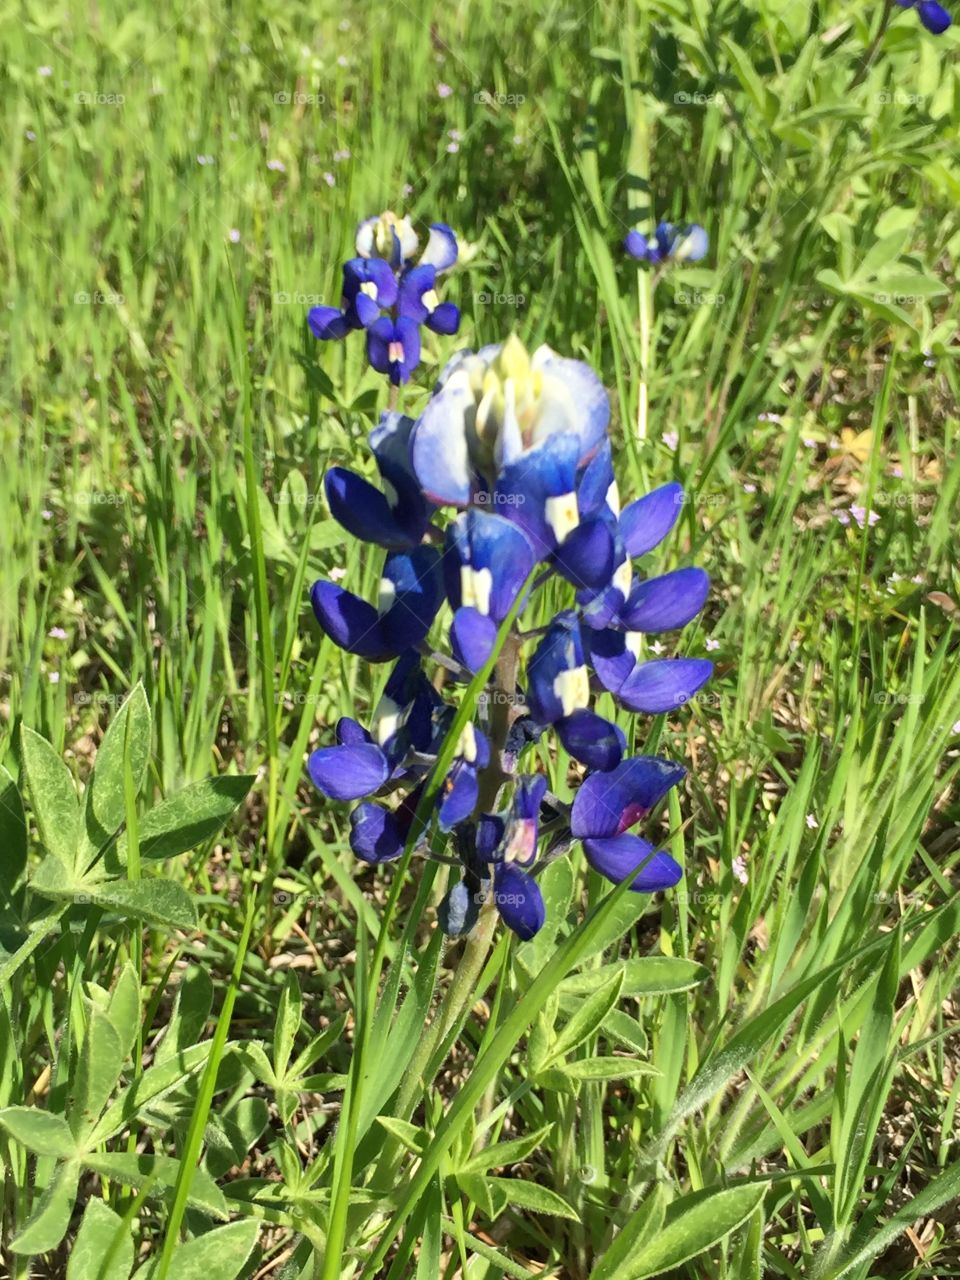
x: 933, y: 16
x: 668, y: 243
x: 410, y: 595
x: 608, y: 804
x: 396, y: 516
x: 389, y: 296
x: 517, y: 445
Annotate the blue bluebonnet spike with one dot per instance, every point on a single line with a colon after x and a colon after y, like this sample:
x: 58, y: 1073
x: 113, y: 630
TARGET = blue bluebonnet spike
x: 559, y: 694
x: 608, y: 804
x: 933, y: 16
x: 399, y: 516
x: 390, y: 296
x: 410, y: 595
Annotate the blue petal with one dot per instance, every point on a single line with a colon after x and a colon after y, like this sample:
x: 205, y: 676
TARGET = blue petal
x: 348, y: 772
x: 933, y: 16
x: 328, y: 323
x: 444, y: 318
x: 609, y: 656
x: 607, y: 803
x: 350, y: 622
x: 472, y: 637
x: 490, y: 557
x: 524, y: 487
x: 441, y: 249
x: 390, y: 441
x: 441, y: 458
x: 593, y: 741
x: 594, y: 482
x: 647, y: 521
x: 560, y: 650
x: 529, y: 795
x: 636, y: 245
x: 415, y: 283
x: 692, y: 243
x: 459, y: 795
x: 376, y: 835
x: 572, y: 397
x: 415, y: 576
x: 350, y: 733
x: 615, y: 858
x: 586, y: 557
x: 664, y: 684
x: 408, y: 335
x: 667, y: 602
x: 489, y: 836
x: 363, y: 510
x: 519, y: 900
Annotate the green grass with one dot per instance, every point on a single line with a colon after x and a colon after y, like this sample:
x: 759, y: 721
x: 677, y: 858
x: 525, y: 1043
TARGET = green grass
x: 166, y: 422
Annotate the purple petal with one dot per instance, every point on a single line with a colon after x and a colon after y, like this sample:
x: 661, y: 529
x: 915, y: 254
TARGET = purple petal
x: 647, y: 521
x: 635, y: 244
x: 459, y: 795
x: 472, y: 637
x: 375, y: 834
x: 586, y: 556
x: 444, y: 318
x: 328, y: 323
x: 609, y: 656
x: 617, y: 856
x: 363, y: 510
x: 559, y: 654
x: 665, y: 603
x: 664, y: 684
x: 415, y: 577
x: 348, y: 772
x: 592, y: 740
x: 350, y: 622
x: 350, y: 733
x: 605, y: 801
x: 933, y: 16
x: 519, y: 900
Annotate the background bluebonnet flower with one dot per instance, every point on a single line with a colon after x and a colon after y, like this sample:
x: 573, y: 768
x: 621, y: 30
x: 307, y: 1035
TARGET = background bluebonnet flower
x: 668, y: 243
x: 933, y: 16
x: 390, y: 297
x: 519, y: 445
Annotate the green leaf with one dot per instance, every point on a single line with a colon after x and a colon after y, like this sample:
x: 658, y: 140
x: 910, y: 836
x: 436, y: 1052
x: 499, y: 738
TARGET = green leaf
x: 53, y: 796
x: 191, y: 1009
x: 640, y: 1228
x: 587, y: 1019
x: 156, y: 901
x: 124, y: 1007
x: 646, y: 976
x: 161, y: 1172
x: 152, y: 1085
x: 481, y: 1191
x: 101, y: 1061
x: 606, y: 1069
x: 219, y: 1255
x: 326, y: 534
x: 104, y: 808
x: 48, y: 1223
x: 190, y: 817
x: 692, y: 1225
x: 408, y: 1135
x: 504, y: 1153
x: 530, y: 1195
x: 54, y: 879
x: 289, y: 1014
x: 102, y: 1232
x: 13, y: 835
x: 42, y: 1132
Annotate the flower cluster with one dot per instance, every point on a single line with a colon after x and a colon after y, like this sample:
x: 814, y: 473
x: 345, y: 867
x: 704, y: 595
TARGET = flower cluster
x: 390, y: 296
x: 933, y: 16
x: 517, y: 445
x: 668, y: 244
